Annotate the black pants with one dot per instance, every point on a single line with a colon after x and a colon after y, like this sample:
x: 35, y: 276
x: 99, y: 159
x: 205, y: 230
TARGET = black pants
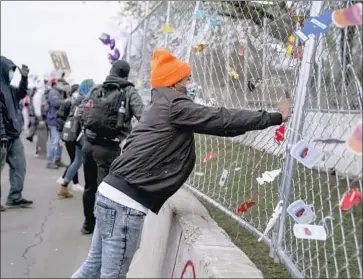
x: 97, y: 159
x: 71, y: 150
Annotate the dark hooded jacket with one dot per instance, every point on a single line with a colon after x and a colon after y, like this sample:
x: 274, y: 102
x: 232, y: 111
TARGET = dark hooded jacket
x: 2, y: 127
x: 10, y: 98
x: 134, y: 105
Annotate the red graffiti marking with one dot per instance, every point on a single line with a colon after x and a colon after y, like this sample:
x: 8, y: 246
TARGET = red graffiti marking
x: 188, y: 264
x: 191, y: 265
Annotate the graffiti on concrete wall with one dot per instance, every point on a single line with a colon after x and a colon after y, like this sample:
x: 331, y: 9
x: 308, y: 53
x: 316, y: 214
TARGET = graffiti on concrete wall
x: 188, y: 270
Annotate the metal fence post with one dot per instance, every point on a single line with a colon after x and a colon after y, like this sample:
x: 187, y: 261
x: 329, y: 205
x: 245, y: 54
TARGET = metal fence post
x: 194, y: 24
x: 319, y: 73
x: 297, y: 127
x: 264, y: 59
x: 167, y: 23
x: 146, y: 21
x: 129, y: 46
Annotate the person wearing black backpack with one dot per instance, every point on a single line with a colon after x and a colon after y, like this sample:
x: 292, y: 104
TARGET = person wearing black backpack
x: 107, y: 122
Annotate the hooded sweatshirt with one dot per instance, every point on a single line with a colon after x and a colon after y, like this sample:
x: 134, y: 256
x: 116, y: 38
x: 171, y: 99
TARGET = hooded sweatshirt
x: 56, y: 99
x: 10, y: 98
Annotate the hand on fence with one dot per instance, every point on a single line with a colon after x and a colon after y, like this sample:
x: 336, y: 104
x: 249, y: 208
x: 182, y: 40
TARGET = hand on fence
x: 284, y: 107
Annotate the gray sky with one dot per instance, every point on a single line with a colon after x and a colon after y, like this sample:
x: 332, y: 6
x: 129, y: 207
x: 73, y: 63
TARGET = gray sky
x: 29, y: 29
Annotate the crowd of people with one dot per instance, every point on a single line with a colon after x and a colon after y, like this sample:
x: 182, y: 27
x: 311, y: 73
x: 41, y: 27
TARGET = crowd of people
x: 91, y: 120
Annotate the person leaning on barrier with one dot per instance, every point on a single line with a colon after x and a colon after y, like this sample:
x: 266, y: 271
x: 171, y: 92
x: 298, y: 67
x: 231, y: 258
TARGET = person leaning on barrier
x: 157, y: 159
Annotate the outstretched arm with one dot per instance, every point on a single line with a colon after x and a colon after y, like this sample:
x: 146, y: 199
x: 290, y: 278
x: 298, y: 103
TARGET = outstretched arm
x: 21, y: 91
x: 185, y: 114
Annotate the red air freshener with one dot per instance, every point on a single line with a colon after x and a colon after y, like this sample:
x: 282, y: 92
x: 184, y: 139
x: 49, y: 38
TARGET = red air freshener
x: 245, y: 205
x: 350, y: 199
x: 280, y: 134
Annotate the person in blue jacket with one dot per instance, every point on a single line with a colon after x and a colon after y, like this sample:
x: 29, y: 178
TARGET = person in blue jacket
x: 56, y: 99
x: 12, y: 149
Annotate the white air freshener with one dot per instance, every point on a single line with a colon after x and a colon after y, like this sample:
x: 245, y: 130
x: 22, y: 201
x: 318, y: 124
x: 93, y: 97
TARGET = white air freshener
x: 301, y: 212
x: 223, y: 178
x: 306, y: 154
x: 313, y: 232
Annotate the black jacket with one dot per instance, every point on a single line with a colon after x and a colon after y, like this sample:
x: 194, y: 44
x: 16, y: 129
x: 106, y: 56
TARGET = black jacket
x: 2, y: 127
x: 159, y: 154
x: 10, y: 98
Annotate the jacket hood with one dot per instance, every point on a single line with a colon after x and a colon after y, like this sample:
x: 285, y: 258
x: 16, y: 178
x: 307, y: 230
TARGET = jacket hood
x: 115, y: 81
x: 121, y: 69
x: 5, y: 66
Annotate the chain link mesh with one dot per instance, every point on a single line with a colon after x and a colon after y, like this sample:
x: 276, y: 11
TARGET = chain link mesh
x: 238, y: 53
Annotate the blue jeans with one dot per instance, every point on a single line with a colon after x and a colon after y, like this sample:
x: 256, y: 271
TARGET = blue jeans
x: 77, y: 163
x: 115, y: 240
x: 14, y: 155
x: 54, y: 148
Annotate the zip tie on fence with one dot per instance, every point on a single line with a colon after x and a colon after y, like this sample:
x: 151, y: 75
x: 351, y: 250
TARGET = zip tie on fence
x: 322, y: 222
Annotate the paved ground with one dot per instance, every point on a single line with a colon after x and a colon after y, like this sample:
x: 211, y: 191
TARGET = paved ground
x: 43, y: 241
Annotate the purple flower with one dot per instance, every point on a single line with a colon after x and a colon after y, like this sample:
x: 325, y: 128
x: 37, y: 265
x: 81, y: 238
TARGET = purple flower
x: 112, y: 44
x: 105, y: 38
x: 116, y: 54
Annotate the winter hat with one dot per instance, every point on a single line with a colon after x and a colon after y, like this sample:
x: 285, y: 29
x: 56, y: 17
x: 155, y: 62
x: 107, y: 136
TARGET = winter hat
x: 85, y: 87
x: 121, y: 69
x: 167, y: 70
x: 74, y: 88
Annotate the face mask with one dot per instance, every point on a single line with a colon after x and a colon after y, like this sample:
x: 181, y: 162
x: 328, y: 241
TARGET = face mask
x: 191, y: 90
x: 11, y: 75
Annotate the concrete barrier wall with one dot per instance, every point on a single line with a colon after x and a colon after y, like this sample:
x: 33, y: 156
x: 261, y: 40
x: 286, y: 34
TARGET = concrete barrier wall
x: 183, y: 241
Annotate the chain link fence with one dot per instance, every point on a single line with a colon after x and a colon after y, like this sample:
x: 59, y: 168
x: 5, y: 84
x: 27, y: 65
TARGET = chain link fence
x: 243, y: 56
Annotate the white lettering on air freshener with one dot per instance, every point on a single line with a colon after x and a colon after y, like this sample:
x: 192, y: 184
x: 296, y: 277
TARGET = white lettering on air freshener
x: 223, y: 178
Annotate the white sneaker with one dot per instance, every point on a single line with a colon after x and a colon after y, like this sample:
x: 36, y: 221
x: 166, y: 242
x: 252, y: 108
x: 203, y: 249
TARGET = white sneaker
x: 60, y: 180
x: 78, y: 187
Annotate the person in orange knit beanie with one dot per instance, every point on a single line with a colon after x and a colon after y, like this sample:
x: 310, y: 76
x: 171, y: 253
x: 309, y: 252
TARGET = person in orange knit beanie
x: 157, y: 159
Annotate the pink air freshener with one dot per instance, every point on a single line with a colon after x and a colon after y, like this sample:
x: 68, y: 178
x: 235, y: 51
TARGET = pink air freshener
x: 209, y: 157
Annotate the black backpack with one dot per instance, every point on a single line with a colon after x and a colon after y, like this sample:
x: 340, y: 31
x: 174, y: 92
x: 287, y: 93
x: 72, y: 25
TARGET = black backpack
x: 101, y: 111
x: 72, y: 127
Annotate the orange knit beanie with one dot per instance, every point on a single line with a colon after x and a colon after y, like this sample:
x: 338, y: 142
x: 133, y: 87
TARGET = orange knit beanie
x: 167, y: 70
